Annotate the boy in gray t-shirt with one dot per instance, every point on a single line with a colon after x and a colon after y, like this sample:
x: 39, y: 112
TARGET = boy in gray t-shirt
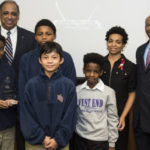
x: 97, y: 118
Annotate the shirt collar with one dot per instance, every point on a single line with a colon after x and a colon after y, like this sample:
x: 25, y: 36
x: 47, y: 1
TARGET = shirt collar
x: 99, y: 86
x: 119, y: 60
x: 4, y: 31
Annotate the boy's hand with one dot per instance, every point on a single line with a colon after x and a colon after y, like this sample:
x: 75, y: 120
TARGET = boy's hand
x: 52, y: 146
x: 46, y: 141
x: 111, y: 148
x: 121, y: 124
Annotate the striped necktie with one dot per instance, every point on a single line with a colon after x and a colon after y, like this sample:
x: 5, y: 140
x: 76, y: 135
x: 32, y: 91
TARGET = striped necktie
x: 8, y: 49
x: 147, y: 59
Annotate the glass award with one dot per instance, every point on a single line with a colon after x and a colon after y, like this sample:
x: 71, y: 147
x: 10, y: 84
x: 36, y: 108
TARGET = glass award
x: 8, y: 91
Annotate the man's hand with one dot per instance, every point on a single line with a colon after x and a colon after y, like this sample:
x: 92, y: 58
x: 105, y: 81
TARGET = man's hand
x: 3, y: 104
x: 7, y: 103
x: 12, y: 102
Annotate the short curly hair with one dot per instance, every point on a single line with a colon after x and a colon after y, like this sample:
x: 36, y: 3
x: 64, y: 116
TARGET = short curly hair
x: 117, y: 30
x: 93, y: 58
x: 45, y: 22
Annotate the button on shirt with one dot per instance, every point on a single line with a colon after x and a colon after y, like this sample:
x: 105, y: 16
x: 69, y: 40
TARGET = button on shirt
x: 123, y: 81
x: 13, y: 37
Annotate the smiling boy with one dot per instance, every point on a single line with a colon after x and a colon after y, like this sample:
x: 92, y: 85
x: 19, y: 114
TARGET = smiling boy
x: 48, y: 107
x: 45, y: 31
x: 97, y: 118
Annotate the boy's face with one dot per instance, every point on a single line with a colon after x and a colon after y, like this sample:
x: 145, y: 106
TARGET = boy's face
x: 1, y: 49
x: 50, y: 62
x: 44, y: 34
x: 92, y: 73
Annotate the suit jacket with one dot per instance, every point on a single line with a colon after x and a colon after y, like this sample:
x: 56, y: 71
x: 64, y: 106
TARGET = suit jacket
x: 25, y: 42
x: 141, y: 114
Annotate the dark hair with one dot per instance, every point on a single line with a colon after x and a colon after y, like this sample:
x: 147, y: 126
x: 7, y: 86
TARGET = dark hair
x: 9, y: 1
x: 93, y: 58
x: 2, y: 39
x: 50, y: 47
x: 117, y: 30
x: 45, y: 22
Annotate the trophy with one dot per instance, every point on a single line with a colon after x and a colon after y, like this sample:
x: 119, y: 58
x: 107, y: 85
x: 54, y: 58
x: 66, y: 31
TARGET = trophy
x: 8, y: 90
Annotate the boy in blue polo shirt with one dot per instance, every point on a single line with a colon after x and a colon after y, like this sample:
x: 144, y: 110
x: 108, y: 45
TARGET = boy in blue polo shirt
x: 48, y: 107
x: 7, y: 110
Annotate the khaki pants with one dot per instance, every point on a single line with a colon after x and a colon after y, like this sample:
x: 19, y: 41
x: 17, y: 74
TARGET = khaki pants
x: 7, y: 139
x: 40, y: 147
x: 66, y: 147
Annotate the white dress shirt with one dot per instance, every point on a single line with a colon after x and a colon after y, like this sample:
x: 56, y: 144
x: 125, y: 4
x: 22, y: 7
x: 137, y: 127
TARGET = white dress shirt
x: 13, y: 37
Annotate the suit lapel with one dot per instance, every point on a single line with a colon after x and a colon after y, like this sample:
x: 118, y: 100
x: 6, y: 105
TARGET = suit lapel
x: 20, y: 38
x: 142, y: 58
x: 19, y: 44
x: 4, y: 57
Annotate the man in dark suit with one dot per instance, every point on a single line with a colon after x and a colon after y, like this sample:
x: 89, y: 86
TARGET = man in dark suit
x: 22, y: 41
x: 141, y: 117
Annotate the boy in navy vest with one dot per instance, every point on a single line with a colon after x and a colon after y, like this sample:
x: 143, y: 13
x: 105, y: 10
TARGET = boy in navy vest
x: 7, y: 102
x: 48, y: 107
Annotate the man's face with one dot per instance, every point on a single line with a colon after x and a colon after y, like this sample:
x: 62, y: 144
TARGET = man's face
x: 44, y: 34
x: 147, y: 26
x: 9, y: 16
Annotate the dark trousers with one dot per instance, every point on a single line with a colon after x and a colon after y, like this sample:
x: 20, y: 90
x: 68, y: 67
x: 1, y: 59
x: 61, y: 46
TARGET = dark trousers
x: 142, y: 138
x: 20, y: 141
x: 80, y: 143
x: 122, y: 142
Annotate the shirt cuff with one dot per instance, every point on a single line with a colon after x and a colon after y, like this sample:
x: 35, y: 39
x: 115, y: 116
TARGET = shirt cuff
x: 111, y: 144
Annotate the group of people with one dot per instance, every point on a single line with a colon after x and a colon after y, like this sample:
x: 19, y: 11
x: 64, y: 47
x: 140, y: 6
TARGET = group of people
x: 42, y: 109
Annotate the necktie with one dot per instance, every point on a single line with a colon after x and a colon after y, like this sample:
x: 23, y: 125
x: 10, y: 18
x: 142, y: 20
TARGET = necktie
x: 147, y: 59
x: 8, y: 49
